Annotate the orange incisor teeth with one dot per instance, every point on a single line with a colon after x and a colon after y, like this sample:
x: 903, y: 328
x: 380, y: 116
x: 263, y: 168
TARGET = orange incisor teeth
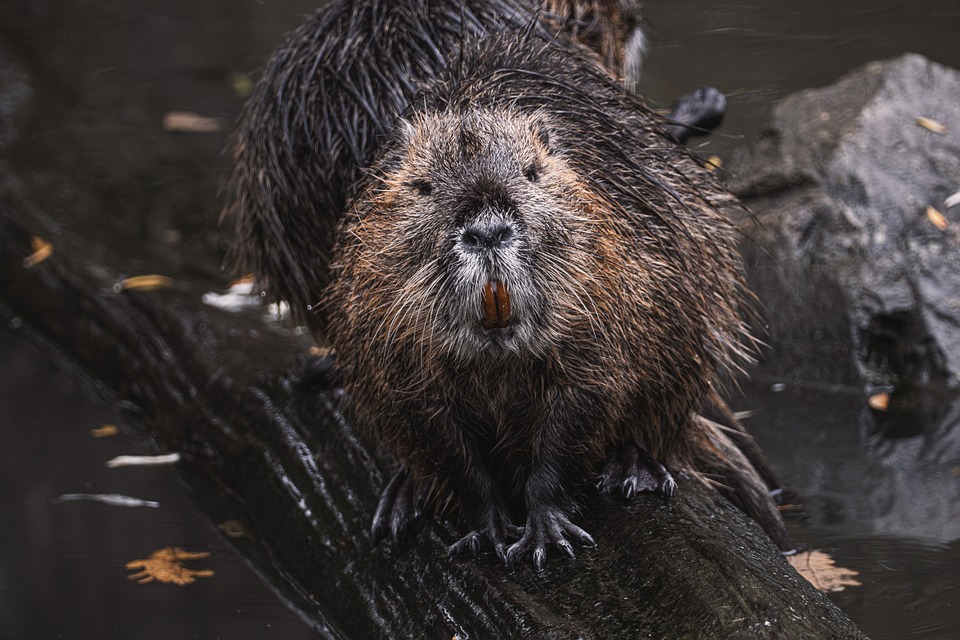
x: 496, y: 305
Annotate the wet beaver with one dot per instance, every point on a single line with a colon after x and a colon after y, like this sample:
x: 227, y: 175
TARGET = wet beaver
x: 334, y: 89
x: 531, y: 278
x: 612, y: 29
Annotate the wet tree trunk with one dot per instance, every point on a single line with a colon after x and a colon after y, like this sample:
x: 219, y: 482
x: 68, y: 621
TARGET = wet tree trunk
x: 299, y: 486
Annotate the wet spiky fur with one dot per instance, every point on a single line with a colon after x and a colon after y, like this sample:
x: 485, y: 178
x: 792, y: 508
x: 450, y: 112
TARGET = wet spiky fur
x: 625, y: 317
x: 332, y: 92
x: 611, y: 28
x: 624, y: 276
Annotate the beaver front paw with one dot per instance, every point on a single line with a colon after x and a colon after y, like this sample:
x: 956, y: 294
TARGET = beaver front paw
x: 547, y: 526
x: 398, y: 508
x: 633, y: 470
x: 696, y: 114
x: 494, y: 529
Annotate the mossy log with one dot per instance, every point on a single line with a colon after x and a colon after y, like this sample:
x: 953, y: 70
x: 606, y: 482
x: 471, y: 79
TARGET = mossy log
x: 299, y: 487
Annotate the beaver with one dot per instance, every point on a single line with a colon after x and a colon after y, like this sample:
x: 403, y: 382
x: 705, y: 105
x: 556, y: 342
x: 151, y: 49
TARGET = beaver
x: 531, y: 279
x: 612, y: 29
x: 334, y: 89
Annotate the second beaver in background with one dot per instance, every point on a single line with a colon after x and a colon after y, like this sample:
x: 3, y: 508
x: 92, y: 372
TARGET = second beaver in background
x: 533, y: 278
x: 336, y: 86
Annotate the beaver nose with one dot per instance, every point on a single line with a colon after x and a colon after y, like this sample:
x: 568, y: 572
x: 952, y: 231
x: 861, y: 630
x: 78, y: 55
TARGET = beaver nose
x: 487, y: 235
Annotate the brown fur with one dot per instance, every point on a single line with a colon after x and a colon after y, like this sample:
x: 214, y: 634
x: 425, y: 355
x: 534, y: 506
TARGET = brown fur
x: 625, y: 290
x: 611, y: 28
x: 332, y: 91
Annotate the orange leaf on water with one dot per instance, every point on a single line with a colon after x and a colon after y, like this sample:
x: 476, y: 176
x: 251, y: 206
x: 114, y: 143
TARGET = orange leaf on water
x: 819, y: 569
x: 166, y: 565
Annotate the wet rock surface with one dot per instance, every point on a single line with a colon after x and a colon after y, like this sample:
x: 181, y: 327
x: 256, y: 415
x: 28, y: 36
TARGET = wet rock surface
x: 850, y: 263
x: 855, y: 257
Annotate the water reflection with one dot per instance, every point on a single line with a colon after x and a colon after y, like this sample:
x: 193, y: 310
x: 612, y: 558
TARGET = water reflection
x: 879, y: 490
x: 910, y: 589
x: 838, y: 454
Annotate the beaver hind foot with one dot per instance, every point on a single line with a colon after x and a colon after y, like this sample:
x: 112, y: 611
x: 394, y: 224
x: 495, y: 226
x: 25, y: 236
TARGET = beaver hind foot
x: 494, y: 531
x: 399, y: 507
x: 633, y: 470
x: 696, y: 114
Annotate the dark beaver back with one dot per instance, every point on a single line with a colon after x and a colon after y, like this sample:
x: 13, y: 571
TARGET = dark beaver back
x: 323, y: 104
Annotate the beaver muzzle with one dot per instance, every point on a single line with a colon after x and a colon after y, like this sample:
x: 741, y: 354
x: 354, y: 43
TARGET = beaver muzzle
x: 496, y: 305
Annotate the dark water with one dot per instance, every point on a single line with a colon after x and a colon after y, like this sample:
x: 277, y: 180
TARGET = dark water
x: 882, y: 496
x: 62, y: 565
x: 885, y: 505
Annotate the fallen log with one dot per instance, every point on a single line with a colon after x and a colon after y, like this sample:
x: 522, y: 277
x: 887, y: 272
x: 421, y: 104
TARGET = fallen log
x: 297, y: 486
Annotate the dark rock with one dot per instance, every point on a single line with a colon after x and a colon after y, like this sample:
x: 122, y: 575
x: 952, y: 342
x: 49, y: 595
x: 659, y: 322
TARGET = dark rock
x: 847, y: 262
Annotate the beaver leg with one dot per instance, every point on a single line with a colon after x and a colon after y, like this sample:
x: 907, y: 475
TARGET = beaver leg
x: 632, y: 470
x: 492, y: 526
x: 481, y: 506
x: 399, y: 506
x: 547, y: 525
x: 547, y: 522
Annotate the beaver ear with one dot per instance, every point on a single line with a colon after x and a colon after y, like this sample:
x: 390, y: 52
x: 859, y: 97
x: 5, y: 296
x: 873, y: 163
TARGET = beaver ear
x: 542, y: 132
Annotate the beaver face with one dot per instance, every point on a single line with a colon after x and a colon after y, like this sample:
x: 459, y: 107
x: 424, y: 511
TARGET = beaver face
x: 482, y: 222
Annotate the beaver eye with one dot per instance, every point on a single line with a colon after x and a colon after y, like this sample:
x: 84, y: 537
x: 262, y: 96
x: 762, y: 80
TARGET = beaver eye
x: 422, y: 187
x: 532, y: 173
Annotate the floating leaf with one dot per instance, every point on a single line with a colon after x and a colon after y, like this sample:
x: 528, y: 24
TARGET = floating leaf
x: 189, y: 122
x: 931, y: 125
x: 819, y: 569
x: 790, y: 508
x: 952, y: 201
x: 879, y: 401
x: 166, y: 565
x: 145, y: 283
x: 105, y: 431
x: 241, y: 83
x: 241, y: 294
x: 233, y: 528
x: 112, y: 499
x: 132, y: 461
x: 41, y: 251
x: 713, y: 162
x: 938, y: 219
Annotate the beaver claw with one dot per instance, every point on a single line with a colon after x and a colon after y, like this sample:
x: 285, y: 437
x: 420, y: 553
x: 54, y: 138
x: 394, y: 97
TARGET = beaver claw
x: 494, y: 531
x: 398, y: 508
x: 633, y: 470
x: 547, y: 526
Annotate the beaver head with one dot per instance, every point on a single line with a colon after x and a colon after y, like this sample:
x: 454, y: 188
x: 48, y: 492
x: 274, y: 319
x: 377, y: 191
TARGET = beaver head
x: 477, y: 237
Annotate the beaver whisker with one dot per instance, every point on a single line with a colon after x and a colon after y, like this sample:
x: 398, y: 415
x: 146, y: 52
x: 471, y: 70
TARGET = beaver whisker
x: 576, y: 286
